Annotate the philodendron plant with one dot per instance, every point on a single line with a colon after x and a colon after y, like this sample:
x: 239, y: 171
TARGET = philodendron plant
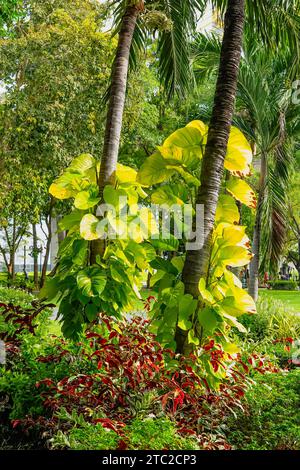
x: 221, y: 297
x: 112, y: 284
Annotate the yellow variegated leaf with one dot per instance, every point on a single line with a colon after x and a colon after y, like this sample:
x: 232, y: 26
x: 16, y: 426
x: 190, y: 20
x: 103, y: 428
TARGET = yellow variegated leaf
x: 229, y: 234
x: 234, y: 322
x: 88, y: 227
x: 186, y: 137
x: 234, y: 256
x: 227, y: 210
x: 154, y: 170
x: 125, y: 174
x: 201, y: 127
x: 59, y: 192
x: 241, y: 191
x: 231, y: 279
x: 171, y: 153
x: 238, y: 302
x: 186, y: 144
x: 239, y: 153
x: 82, y: 163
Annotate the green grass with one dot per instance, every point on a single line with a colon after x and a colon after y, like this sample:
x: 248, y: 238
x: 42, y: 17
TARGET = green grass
x: 288, y: 298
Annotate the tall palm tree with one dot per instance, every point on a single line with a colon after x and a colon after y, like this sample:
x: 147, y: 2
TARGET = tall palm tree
x: 174, y: 68
x: 270, y: 121
x: 268, y: 19
x: 197, y: 261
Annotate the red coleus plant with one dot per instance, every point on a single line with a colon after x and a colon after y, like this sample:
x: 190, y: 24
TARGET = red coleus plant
x: 125, y: 363
x: 287, y: 342
x: 20, y: 320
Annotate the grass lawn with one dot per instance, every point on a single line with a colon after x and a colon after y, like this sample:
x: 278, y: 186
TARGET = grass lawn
x: 288, y: 298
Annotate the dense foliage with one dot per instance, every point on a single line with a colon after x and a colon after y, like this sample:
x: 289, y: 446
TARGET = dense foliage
x: 119, y: 379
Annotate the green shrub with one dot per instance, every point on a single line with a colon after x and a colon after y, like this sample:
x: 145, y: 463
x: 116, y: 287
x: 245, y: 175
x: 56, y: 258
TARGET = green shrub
x: 150, y: 433
x: 283, y: 285
x: 86, y: 437
x: 272, y: 417
x: 15, y: 296
x: 272, y: 321
x: 20, y: 281
x: 157, y: 434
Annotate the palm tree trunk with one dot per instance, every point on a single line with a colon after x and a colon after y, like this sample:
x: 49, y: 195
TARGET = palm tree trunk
x: 197, y: 261
x: 254, y: 265
x: 116, y: 108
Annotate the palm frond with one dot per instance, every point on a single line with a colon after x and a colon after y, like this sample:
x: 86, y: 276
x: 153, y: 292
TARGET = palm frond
x: 174, y: 46
x: 206, y: 50
x: 274, y: 220
x: 274, y: 22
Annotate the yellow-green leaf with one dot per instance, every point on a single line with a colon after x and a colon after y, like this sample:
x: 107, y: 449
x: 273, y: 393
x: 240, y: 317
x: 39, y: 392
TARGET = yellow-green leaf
x: 227, y: 210
x: 125, y: 174
x: 60, y: 192
x: 85, y: 200
x: 88, y: 227
x: 237, y: 302
x: 154, y: 170
x: 241, y: 191
x: 82, y: 163
x: 204, y: 292
x: 239, y: 153
x: 234, y: 256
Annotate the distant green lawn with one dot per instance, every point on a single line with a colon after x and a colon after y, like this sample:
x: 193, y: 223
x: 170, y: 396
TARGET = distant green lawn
x: 288, y: 298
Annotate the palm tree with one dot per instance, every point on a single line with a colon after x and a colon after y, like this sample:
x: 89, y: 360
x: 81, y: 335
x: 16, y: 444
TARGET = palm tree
x: 272, y: 16
x: 271, y: 122
x: 174, y: 68
x: 197, y: 261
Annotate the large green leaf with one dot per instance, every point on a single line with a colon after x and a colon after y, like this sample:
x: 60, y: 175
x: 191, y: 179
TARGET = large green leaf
x: 70, y: 220
x: 166, y: 244
x: 154, y: 170
x: 165, y: 195
x: 80, y: 251
x: 82, y: 163
x: 186, y: 308
x: 91, y: 282
x: 208, y: 319
x: 86, y: 199
x: 114, y: 197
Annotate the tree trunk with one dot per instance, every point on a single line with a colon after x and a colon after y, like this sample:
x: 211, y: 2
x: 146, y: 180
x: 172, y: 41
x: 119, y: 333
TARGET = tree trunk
x: 298, y: 266
x: 12, y: 254
x: 35, y: 256
x: 11, y: 265
x: 197, y: 261
x: 254, y: 265
x: 47, y: 252
x: 116, y: 108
